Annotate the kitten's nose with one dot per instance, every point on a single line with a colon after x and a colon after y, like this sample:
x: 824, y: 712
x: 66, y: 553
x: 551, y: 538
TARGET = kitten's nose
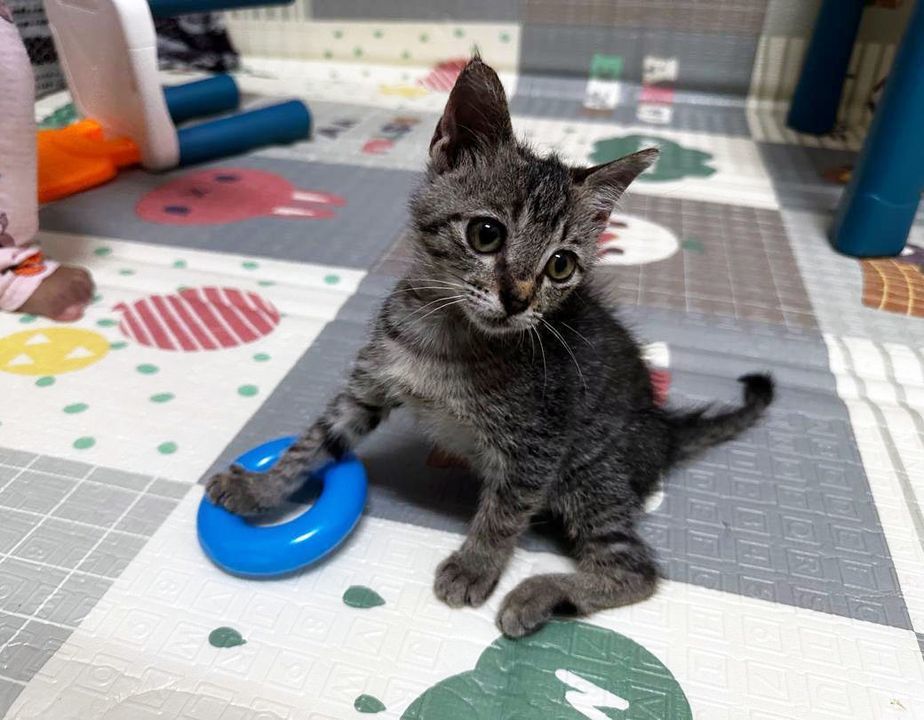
x: 517, y: 298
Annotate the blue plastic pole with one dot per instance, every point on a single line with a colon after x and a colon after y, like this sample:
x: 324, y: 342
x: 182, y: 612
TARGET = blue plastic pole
x: 210, y: 96
x: 172, y: 8
x: 818, y: 93
x: 283, y: 123
x: 878, y: 206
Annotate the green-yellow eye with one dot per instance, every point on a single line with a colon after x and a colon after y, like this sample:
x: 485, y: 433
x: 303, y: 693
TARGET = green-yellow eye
x: 486, y: 235
x: 561, y: 266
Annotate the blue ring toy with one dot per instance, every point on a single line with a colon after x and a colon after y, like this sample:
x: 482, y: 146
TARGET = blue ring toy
x: 245, y: 549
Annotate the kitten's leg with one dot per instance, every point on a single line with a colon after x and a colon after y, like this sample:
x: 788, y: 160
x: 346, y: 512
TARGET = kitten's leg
x: 350, y: 416
x: 615, y: 567
x: 469, y: 575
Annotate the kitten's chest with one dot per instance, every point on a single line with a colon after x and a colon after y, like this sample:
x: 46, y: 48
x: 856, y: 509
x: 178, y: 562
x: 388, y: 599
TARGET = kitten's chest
x: 447, y: 397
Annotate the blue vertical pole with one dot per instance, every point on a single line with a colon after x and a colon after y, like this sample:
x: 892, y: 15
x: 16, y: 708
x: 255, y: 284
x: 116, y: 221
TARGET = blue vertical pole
x: 818, y: 93
x: 878, y: 206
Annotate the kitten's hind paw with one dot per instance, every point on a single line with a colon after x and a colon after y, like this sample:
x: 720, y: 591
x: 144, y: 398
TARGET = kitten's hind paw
x: 242, y: 492
x: 530, y: 605
x: 462, y: 580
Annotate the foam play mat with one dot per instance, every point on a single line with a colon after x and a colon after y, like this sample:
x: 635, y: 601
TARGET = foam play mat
x: 232, y: 297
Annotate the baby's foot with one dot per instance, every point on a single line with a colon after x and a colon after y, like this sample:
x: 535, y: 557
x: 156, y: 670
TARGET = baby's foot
x: 62, y: 296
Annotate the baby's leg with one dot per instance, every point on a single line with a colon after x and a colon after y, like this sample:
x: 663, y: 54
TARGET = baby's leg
x: 28, y: 282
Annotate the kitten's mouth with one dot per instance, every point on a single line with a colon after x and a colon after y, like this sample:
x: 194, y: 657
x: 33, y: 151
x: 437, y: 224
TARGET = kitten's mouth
x: 502, y: 324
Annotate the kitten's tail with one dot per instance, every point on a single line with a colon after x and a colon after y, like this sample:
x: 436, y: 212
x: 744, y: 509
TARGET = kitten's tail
x: 700, y: 429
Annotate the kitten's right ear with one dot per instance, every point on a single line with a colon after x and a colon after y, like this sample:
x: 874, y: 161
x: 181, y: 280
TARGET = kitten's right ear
x: 606, y: 183
x: 476, y: 117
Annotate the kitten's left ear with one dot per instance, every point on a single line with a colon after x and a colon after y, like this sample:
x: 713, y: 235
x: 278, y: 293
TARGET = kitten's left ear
x: 476, y: 118
x: 606, y: 183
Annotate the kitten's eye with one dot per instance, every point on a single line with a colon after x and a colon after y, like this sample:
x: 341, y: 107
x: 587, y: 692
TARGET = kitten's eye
x: 486, y: 235
x: 561, y: 266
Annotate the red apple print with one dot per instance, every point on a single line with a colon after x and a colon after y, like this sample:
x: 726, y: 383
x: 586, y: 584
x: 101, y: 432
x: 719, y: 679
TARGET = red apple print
x: 443, y: 76
x: 195, y: 319
x: 226, y: 195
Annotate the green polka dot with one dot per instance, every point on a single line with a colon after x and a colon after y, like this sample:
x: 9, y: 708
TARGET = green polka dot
x: 332, y: 279
x: 247, y: 390
x: 362, y: 597
x: 357, y: 52
x: 126, y: 271
x: 27, y: 319
x: 406, y: 55
x: 250, y: 265
x: 97, y: 298
x: 368, y: 704
x: 147, y: 369
x: 182, y: 288
x: 75, y: 408
x: 459, y: 32
x: 378, y: 34
x: 162, y: 397
x: 338, y: 34
x: 166, y: 448
x: 102, y: 251
x: 118, y: 345
x: 84, y: 443
x: 424, y: 37
x: 266, y: 283
x: 179, y: 264
x: 504, y: 37
x: 328, y: 54
x: 46, y: 381
x: 261, y: 357
x: 106, y: 322
x: 225, y: 637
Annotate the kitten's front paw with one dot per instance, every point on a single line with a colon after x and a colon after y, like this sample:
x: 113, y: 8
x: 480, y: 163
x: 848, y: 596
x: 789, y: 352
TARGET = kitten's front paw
x: 464, y: 580
x: 240, y: 491
x: 529, y: 606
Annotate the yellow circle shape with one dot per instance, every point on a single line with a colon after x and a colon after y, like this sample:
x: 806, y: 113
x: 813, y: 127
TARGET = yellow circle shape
x: 51, y: 350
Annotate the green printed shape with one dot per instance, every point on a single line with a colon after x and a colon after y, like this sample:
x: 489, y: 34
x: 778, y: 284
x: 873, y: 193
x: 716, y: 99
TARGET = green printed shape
x: 84, y: 443
x: 504, y: 37
x: 167, y: 448
x: 606, y: 67
x: 46, y: 381
x: 147, y: 369
x: 26, y: 319
x: 126, y: 271
x: 161, y: 397
x: 103, y: 251
x: 368, y: 704
x: 247, y: 390
x: 359, y: 596
x: 332, y: 279
x: 225, y: 637
x: 179, y: 264
x: 674, y: 162
x: 250, y: 265
x: 118, y: 345
x: 75, y: 408
x: 266, y: 283
x: 60, y: 117
x: 378, y: 34
x: 357, y: 52
x: 106, y: 322
x: 693, y: 245
x: 261, y: 357
x: 530, y: 678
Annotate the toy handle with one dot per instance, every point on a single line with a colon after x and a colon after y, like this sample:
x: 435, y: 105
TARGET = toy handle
x: 172, y: 8
x: 283, y: 123
x: 213, y: 95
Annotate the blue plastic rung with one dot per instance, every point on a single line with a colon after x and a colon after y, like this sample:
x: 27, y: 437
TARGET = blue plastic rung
x: 172, y: 8
x: 213, y: 95
x: 283, y: 123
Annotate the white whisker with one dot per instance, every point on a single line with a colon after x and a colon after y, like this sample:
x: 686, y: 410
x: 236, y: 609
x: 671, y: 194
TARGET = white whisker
x: 568, y: 348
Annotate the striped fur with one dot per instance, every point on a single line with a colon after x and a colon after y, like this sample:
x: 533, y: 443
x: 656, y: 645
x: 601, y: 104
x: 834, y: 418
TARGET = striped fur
x: 548, y: 400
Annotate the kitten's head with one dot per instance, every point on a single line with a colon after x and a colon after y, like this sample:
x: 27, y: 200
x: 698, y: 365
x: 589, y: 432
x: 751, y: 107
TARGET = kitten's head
x: 512, y: 233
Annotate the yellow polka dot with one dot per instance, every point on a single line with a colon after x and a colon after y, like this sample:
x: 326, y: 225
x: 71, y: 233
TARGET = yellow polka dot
x: 51, y: 350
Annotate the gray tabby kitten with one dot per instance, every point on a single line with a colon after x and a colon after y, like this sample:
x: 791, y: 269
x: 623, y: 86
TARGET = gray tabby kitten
x: 496, y: 340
